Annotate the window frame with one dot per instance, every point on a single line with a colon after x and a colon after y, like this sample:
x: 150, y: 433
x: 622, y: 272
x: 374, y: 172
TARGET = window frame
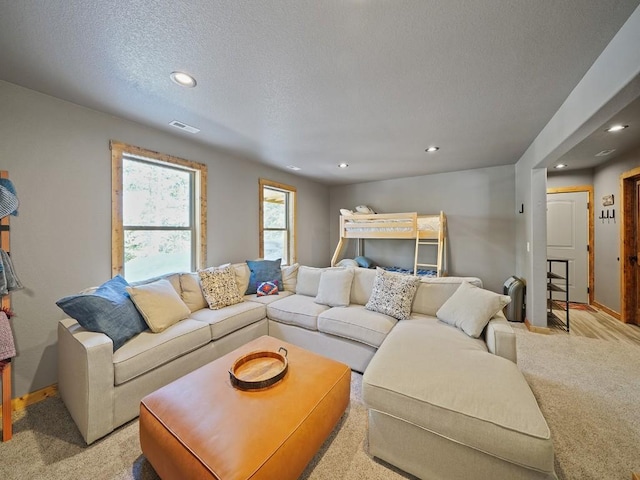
x: 292, y: 217
x: 121, y: 150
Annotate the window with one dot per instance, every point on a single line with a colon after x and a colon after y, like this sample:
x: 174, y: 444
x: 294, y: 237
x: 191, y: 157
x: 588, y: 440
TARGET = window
x: 277, y: 222
x: 158, y: 213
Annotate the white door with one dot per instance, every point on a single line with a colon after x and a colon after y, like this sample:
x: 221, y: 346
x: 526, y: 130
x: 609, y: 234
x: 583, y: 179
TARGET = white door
x: 568, y: 237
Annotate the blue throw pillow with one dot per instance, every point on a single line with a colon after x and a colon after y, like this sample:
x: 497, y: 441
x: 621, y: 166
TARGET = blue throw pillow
x: 263, y: 271
x: 108, y: 310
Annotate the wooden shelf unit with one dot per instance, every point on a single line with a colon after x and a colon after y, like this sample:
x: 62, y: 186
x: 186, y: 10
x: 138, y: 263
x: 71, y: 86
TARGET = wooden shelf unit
x: 555, y: 287
x: 5, y: 365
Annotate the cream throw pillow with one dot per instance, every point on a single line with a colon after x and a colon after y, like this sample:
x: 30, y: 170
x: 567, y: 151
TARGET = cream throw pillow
x: 290, y: 277
x: 334, y: 289
x: 159, y: 304
x: 470, y: 308
x: 219, y: 287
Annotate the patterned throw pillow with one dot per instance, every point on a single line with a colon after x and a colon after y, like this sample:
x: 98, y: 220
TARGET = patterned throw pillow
x: 267, y: 288
x: 219, y: 287
x: 392, y: 294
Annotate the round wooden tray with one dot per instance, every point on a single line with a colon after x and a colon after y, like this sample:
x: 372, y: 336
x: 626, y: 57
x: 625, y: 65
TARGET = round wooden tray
x: 257, y: 370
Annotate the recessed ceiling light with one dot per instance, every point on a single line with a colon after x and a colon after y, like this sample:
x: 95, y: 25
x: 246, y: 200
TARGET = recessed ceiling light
x: 183, y: 79
x: 561, y: 165
x: 293, y: 167
x: 616, y: 128
x: 432, y: 149
x: 343, y: 165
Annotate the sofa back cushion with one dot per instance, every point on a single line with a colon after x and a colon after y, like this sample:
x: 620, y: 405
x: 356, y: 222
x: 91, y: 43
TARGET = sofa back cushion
x: 433, y: 292
x: 335, y: 287
x: 308, y: 280
x: 191, y: 291
x: 362, y: 285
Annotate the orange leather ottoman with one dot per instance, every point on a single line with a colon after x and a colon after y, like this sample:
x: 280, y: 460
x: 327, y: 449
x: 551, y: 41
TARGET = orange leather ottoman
x: 202, y: 427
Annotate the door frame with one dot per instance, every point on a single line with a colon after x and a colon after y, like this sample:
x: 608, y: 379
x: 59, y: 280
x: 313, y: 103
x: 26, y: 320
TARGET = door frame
x: 590, y: 242
x: 628, y: 287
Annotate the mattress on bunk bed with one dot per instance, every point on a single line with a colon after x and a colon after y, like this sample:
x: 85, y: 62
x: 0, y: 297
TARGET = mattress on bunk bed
x: 425, y: 223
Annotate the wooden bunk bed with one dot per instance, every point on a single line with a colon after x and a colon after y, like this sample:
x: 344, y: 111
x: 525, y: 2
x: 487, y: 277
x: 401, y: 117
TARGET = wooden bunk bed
x: 424, y: 229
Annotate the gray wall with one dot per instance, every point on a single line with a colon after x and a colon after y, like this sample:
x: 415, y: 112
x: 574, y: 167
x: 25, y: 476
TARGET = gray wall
x: 607, y: 87
x: 606, y: 180
x: 57, y: 156
x: 479, y: 209
x: 570, y: 178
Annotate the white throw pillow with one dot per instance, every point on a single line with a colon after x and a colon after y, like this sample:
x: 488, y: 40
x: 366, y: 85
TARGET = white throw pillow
x: 219, y: 287
x: 159, y: 304
x: 191, y: 291
x: 392, y: 294
x: 335, y: 287
x: 470, y: 308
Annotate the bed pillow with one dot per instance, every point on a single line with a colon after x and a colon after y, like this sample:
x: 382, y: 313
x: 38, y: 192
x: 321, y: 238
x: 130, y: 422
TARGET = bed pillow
x: 392, y: 294
x: 159, y: 304
x: 263, y: 271
x: 267, y: 288
x: 334, y: 288
x: 365, y: 262
x: 219, y: 287
x: 470, y: 308
x: 108, y: 309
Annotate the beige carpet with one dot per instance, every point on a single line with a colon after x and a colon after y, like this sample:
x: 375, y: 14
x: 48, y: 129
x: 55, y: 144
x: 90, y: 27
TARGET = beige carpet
x: 588, y: 390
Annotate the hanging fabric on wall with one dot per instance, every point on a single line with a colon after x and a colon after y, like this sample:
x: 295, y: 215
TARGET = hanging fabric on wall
x: 9, y: 281
x: 7, y: 346
x: 8, y: 198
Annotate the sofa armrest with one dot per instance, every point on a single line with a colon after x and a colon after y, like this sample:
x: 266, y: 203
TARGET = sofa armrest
x: 85, y: 378
x: 500, y: 338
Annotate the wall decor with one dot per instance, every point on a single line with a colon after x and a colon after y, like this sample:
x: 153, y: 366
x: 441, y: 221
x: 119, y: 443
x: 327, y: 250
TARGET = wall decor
x: 607, y: 200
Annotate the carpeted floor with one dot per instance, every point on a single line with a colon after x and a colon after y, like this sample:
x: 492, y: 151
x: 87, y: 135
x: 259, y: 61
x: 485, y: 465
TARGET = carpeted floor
x: 588, y: 390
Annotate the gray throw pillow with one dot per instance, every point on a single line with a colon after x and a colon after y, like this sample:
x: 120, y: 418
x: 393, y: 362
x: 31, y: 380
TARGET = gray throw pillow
x: 392, y: 294
x: 470, y: 308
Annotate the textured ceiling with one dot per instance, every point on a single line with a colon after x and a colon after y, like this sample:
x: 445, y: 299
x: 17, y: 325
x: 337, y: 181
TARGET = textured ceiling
x: 315, y: 83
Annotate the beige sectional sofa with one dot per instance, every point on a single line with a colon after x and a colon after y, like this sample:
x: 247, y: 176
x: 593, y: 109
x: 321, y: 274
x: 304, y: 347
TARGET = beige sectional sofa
x: 441, y: 403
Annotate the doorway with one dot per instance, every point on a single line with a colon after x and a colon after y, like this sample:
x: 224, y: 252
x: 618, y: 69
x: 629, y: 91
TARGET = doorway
x: 570, y: 236
x: 630, y: 246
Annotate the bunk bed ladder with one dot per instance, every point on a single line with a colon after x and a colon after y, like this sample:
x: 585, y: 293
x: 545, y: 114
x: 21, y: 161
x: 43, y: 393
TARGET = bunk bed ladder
x: 439, y: 243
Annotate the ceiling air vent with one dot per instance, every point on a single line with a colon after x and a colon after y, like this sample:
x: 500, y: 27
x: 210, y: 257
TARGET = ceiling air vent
x: 184, y: 126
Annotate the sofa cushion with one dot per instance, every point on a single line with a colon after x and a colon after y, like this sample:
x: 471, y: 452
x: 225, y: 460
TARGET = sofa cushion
x: 159, y: 304
x: 356, y: 323
x: 362, y: 285
x: 298, y: 310
x: 464, y: 393
x: 242, y: 275
x: 470, y: 308
x: 433, y: 292
x: 219, y: 287
x: 231, y: 318
x: 290, y: 277
x: 334, y: 288
x: 149, y: 350
x: 392, y: 294
x: 267, y: 299
x: 107, y: 309
x: 263, y: 271
x: 191, y: 291
x: 308, y: 280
